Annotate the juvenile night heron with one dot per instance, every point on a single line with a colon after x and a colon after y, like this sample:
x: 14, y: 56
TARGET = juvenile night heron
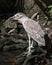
x: 32, y: 28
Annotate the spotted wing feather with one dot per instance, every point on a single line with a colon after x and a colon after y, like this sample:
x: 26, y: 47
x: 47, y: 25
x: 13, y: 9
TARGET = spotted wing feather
x: 35, y: 31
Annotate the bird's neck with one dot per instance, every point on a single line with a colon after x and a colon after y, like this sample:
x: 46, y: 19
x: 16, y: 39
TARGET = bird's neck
x: 23, y: 19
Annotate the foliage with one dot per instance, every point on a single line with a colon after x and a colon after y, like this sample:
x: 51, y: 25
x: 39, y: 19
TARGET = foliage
x: 50, y: 11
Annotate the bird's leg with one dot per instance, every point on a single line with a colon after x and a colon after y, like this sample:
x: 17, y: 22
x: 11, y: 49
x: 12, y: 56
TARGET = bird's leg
x: 32, y: 44
x: 29, y: 48
x: 32, y: 47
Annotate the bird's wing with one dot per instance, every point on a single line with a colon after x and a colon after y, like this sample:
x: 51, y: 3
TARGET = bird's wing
x: 35, y: 31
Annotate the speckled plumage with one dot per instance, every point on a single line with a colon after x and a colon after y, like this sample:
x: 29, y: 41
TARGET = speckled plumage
x: 32, y: 28
x: 35, y: 31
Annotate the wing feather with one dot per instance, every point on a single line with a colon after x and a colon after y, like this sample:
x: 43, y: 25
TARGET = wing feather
x: 35, y: 31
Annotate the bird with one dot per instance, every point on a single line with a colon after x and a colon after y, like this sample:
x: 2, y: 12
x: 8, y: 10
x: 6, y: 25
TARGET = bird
x: 32, y: 28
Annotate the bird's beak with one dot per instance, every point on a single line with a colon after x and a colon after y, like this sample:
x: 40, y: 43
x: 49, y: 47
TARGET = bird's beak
x: 13, y: 18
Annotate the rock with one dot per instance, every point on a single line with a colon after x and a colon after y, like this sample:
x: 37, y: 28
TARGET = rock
x: 10, y: 24
x: 30, y: 7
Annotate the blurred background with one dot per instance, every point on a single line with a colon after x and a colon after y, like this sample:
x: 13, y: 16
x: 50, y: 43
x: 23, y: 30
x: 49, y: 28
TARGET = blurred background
x: 13, y: 45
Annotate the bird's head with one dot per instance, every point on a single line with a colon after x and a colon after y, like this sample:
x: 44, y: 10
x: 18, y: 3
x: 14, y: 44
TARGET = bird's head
x: 17, y: 16
x: 20, y: 17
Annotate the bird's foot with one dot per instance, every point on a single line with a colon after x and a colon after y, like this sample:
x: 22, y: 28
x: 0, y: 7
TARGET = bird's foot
x: 30, y: 50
